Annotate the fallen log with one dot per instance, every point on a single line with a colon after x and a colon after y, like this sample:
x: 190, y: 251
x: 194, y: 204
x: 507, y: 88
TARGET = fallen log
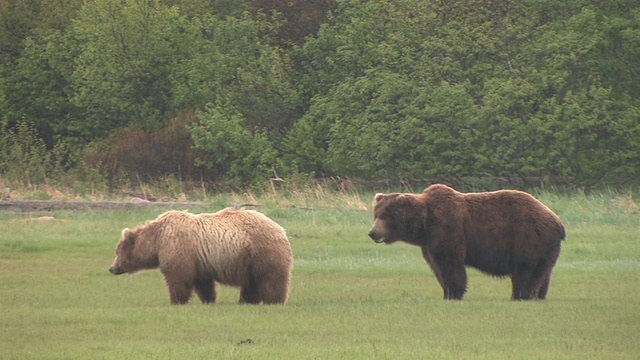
x: 50, y: 205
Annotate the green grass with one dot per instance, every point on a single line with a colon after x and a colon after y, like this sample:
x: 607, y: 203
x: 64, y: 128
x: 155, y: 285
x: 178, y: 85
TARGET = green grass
x: 350, y: 297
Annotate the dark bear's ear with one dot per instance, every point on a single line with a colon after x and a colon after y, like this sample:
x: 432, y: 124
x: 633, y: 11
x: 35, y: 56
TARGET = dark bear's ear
x: 379, y: 196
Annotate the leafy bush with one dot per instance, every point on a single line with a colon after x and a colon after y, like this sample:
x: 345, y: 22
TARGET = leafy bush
x: 367, y: 89
x: 145, y: 155
x: 24, y: 159
x: 231, y: 151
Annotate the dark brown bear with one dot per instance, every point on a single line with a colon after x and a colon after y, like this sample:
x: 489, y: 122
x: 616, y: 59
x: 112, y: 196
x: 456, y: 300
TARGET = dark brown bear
x: 501, y: 233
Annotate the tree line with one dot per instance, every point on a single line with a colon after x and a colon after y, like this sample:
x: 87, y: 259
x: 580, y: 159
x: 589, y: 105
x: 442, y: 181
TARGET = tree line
x: 114, y: 91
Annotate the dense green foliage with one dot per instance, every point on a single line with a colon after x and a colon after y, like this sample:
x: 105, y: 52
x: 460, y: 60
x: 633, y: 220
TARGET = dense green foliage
x: 460, y: 89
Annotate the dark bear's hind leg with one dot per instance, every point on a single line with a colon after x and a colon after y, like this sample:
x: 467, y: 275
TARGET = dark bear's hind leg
x: 525, y: 283
x: 544, y: 281
x: 531, y: 282
x: 544, y: 287
x: 546, y: 266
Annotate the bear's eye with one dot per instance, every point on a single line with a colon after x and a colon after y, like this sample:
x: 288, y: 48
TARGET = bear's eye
x: 384, y: 217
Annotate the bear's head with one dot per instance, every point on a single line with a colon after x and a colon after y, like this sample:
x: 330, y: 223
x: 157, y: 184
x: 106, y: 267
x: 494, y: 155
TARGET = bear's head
x: 398, y: 216
x: 136, y: 251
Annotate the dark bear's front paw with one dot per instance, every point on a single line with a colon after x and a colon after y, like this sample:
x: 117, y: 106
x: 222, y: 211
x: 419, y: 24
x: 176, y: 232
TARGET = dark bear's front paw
x: 450, y: 294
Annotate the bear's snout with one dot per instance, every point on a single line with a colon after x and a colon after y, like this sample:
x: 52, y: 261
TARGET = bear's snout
x: 116, y: 270
x: 375, y: 236
x: 378, y: 231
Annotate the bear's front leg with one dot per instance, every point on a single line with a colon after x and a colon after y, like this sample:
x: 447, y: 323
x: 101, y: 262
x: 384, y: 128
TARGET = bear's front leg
x: 432, y: 264
x: 179, y: 290
x: 452, y: 275
x: 455, y: 283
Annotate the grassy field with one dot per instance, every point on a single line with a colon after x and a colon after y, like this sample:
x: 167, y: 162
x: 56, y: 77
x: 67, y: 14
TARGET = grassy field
x: 350, y: 297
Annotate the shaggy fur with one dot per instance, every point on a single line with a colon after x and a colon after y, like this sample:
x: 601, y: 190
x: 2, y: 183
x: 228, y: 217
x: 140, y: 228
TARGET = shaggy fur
x: 232, y: 247
x: 501, y: 233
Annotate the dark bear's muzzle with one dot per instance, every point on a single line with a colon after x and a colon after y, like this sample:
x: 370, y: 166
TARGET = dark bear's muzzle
x: 375, y: 236
x: 115, y: 270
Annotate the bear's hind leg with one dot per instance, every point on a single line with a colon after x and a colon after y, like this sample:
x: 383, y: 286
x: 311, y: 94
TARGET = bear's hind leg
x: 206, y: 290
x: 275, y: 291
x: 546, y: 266
x: 531, y: 282
x: 249, y: 292
x: 273, y: 284
x: 249, y: 295
x: 546, y: 269
x: 521, y: 291
x: 526, y: 282
x: 544, y: 287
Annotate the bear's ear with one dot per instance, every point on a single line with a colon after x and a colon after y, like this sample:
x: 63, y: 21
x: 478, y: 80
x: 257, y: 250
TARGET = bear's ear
x: 129, y: 234
x: 408, y: 198
x: 379, y: 196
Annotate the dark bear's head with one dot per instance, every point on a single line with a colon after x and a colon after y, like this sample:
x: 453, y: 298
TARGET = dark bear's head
x: 135, y: 251
x: 397, y: 216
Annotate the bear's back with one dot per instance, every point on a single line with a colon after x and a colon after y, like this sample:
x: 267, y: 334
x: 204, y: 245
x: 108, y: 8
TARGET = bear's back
x: 215, y: 244
x: 232, y: 238
x: 506, y: 209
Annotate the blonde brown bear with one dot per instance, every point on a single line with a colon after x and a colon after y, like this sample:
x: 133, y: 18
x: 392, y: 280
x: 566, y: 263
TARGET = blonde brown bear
x: 232, y: 247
